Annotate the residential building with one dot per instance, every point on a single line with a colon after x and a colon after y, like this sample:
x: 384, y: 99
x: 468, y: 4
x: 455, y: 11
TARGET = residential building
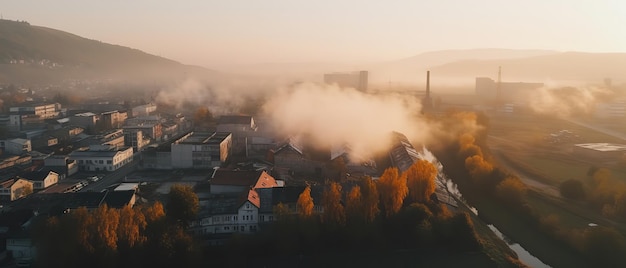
x: 109, y: 160
x: 113, y: 119
x: 111, y: 139
x: 136, y: 139
x: 228, y: 214
x: 241, y: 127
x: 17, y: 146
x: 157, y: 157
x: 86, y: 120
x: 290, y: 155
x: 143, y: 110
x: 41, y: 179
x: 62, y: 165
x: 13, y: 189
x: 152, y: 130
x: 201, y: 150
x: 39, y: 110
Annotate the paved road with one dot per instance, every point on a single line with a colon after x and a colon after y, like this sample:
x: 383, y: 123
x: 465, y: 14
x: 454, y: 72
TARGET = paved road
x: 609, y: 132
x: 535, y: 184
x: 111, y: 178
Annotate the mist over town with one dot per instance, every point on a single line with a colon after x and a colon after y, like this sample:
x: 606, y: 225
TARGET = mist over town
x: 283, y: 134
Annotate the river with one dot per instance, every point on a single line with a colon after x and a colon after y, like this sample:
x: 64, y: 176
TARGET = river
x: 452, y: 189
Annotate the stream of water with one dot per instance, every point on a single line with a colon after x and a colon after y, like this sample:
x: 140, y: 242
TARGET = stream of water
x: 444, y: 181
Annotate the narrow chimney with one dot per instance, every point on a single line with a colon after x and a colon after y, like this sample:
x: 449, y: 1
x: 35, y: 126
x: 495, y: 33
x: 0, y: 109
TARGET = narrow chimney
x: 427, y: 84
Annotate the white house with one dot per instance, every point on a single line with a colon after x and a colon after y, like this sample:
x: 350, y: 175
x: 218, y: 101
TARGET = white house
x: 110, y: 160
x: 230, y: 214
x: 14, y: 189
x: 42, y: 179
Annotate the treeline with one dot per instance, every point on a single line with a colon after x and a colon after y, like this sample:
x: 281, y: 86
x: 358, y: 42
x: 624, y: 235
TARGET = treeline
x: 601, y: 190
x: 474, y: 170
x: 392, y: 213
x: 142, y: 236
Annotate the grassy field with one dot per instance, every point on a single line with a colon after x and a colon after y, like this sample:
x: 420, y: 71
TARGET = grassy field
x: 526, y: 144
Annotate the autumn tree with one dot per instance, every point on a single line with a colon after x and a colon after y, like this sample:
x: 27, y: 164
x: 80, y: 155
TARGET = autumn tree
x: 182, y: 205
x: 334, y: 211
x: 421, y: 181
x: 355, y: 205
x: 305, y: 204
x: 370, y: 198
x: 392, y: 189
x: 478, y: 167
x: 512, y: 190
x: 153, y: 212
x: 202, y: 116
x: 281, y: 211
x: 131, y: 225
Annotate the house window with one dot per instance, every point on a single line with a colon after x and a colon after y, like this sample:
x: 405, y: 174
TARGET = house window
x: 109, y: 162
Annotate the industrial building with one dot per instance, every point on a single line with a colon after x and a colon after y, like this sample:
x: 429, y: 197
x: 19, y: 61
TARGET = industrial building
x: 487, y: 88
x: 201, y: 150
x: 357, y: 80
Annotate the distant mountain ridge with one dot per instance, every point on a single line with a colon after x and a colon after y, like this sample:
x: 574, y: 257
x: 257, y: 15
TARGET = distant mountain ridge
x: 35, y: 52
x: 564, y: 66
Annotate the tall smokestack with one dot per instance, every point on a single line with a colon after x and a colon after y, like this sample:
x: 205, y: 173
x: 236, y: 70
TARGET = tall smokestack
x: 428, y: 84
x: 499, y: 85
x: 427, y: 103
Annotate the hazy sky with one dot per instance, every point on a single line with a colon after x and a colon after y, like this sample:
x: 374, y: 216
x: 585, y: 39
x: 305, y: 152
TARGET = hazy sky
x: 217, y: 33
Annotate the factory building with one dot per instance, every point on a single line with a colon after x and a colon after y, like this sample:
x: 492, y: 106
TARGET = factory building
x: 357, y: 80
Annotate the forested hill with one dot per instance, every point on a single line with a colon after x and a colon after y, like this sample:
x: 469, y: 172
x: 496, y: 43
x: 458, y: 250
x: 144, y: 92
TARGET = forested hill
x: 30, y: 53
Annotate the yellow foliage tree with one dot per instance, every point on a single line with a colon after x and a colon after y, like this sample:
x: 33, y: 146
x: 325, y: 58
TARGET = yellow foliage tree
x: 355, y: 207
x: 334, y: 211
x: 104, y: 228
x: 392, y: 188
x: 131, y: 224
x: 305, y: 203
x: 371, y: 199
x: 421, y: 181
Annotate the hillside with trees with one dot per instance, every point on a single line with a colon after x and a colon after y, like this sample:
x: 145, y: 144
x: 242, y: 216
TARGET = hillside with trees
x: 29, y: 52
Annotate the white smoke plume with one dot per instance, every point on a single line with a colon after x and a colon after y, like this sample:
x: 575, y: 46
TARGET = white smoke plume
x: 566, y: 101
x: 224, y: 97
x: 330, y: 115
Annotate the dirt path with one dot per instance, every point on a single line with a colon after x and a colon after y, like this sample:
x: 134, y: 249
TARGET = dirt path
x: 532, y: 183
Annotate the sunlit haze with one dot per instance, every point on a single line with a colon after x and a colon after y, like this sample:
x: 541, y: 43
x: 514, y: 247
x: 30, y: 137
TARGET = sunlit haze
x: 222, y: 33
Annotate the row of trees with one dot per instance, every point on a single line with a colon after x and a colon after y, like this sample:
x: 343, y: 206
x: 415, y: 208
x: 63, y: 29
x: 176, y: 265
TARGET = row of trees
x: 144, y: 236
x: 395, y: 212
x: 364, y: 201
x: 484, y: 178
